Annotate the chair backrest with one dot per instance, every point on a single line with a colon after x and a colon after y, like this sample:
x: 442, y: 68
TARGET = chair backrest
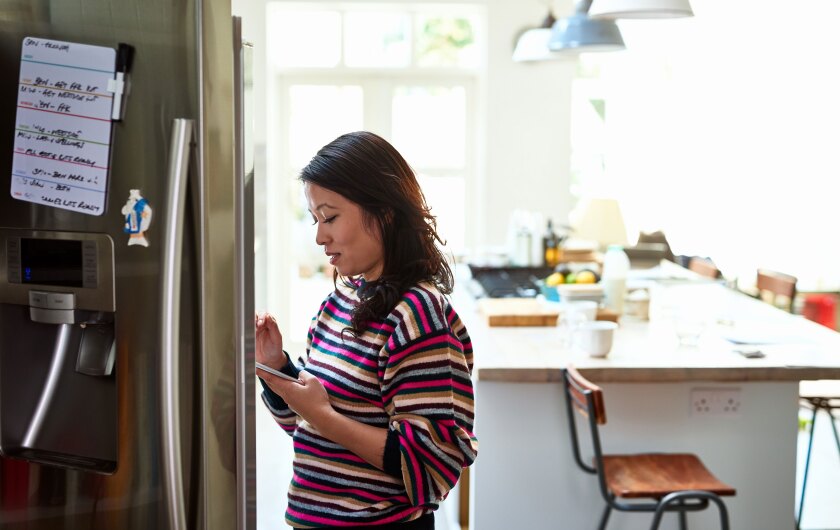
x: 704, y: 267
x: 587, y: 400
x: 776, y: 288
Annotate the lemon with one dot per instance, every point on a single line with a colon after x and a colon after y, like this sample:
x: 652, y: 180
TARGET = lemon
x: 586, y: 277
x: 571, y: 278
x: 554, y: 279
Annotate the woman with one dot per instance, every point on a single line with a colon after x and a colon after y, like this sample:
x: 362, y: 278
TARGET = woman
x: 382, y: 414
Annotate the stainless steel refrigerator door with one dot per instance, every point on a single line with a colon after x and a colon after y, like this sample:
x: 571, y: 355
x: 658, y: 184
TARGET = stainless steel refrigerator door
x: 178, y: 73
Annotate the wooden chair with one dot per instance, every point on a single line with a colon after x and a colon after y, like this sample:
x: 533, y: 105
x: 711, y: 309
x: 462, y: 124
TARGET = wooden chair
x: 704, y: 267
x: 776, y: 288
x: 675, y: 482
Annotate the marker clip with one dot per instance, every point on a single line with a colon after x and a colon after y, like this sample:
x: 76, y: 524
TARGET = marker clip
x: 121, y: 85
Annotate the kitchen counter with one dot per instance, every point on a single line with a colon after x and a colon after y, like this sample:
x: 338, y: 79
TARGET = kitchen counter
x: 647, y: 351
x: 525, y: 459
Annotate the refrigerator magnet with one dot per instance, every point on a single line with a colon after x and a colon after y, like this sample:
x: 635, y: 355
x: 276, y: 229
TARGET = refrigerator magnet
x: 138, y: 217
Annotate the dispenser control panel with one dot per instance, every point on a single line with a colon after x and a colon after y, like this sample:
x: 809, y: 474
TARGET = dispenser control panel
x: 58, y: 262
x: 80, y: 264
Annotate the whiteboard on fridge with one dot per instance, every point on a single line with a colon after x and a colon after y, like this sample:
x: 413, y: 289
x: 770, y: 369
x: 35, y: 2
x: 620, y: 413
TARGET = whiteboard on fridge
x: 63, y: 126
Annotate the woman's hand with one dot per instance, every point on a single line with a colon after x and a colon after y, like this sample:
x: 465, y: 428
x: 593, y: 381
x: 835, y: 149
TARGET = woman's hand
x: 269, y: 342
x: 307, y: 397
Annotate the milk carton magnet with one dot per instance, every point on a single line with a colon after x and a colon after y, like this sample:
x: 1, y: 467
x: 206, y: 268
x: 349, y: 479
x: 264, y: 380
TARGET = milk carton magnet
x: 138, y: 217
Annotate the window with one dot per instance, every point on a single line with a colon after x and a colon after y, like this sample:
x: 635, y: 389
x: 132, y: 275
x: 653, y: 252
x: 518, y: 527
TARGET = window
x: 724, y: 140
x: 408, y: 72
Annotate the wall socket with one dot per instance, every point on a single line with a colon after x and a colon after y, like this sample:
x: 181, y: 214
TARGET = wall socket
x: 715, y: 401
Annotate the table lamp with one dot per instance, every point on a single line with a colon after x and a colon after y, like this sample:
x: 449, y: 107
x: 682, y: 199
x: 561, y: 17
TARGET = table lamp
x: 599, y: 219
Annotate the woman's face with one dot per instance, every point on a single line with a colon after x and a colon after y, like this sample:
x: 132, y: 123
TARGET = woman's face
x: 352, y: 247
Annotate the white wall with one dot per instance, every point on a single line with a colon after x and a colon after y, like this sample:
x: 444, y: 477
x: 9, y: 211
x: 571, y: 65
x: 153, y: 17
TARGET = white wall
x: 527, y: 124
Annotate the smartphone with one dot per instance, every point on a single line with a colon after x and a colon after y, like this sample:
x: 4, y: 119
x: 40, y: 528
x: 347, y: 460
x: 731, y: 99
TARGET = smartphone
x: 279, y: 374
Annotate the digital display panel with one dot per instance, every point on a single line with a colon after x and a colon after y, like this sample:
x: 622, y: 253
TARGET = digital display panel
x: 51, y: 262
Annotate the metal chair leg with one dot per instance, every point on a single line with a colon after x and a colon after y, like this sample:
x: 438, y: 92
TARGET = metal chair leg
x: 834, y: 427
x: 683, y: 519
x: 605, y: 517
x: 680, y: 496
x: 807, y: 465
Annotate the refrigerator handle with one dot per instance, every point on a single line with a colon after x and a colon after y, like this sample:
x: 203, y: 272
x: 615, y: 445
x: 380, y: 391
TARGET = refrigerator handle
x: 177, y: 173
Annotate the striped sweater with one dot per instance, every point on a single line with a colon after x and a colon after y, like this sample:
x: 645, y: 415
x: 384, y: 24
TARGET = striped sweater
x: 409, y: 374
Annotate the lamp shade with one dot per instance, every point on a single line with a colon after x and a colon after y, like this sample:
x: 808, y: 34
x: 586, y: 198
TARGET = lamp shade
x: 579, y: 33
x: 640, y: 9
x: 532, y: 45
x: 599, y: 219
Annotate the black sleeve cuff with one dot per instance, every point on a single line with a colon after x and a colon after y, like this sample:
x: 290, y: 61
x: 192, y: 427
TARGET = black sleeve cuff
x: 275, y: 401
x: 290, y: 368
x: 392, y: 459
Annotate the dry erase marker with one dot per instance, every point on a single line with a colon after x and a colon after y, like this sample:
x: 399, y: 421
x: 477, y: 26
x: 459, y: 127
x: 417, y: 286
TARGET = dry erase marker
x: 279, y: 374
x: 125, y: 56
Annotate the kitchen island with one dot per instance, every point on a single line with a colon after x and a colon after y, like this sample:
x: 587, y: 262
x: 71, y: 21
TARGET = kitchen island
x: 525, y: 476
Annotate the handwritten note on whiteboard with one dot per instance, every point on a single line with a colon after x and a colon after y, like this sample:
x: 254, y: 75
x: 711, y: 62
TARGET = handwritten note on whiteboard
x: 63, y: 126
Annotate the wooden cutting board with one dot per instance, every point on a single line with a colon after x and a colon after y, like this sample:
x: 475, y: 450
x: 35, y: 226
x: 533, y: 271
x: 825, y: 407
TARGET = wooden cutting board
x: 526, y: 312
x: 517, y: 312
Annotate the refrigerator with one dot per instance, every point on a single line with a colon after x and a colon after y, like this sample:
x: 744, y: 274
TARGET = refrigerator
x: 126, y: 331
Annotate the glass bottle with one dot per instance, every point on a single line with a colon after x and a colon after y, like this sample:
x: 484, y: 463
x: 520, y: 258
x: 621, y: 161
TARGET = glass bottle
x: 614, y: 277
x: 552, y: 252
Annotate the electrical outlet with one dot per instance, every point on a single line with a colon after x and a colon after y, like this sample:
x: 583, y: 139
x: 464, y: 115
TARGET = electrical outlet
x: 715, y: 401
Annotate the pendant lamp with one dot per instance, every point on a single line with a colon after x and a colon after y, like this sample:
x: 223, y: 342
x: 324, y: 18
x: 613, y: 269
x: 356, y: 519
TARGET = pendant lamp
x: 579, y: 33
x: 532, y: 44
x: 640, y: 9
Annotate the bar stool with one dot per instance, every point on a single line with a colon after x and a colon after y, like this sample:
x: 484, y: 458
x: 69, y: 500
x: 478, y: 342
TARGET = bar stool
x: 677, y: 482
x: 817, y: 396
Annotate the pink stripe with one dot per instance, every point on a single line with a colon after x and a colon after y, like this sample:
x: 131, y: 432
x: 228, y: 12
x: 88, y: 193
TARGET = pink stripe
x: 349, y: 456
x: 418, y: 487
x: 289, y: 429
x: 462, y: 386
x: 420, y: 310
x: 338, y: 311
x: 347, y: 393
x: 334, y: 522
x: 431, y: 341
x: 421, y: 384
x: 441, y: 468
x: 381, y: 326
x: 451, y: 317
x: 348, y: 340
x: 343, y: 352
x: 321, y: 487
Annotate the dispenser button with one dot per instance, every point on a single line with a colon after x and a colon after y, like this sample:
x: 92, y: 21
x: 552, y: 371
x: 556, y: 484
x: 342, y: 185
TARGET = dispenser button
x: 38, y: 298
x: 61, y: 301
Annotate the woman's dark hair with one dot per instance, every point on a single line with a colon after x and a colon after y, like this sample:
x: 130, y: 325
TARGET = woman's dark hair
x: 367, y: 170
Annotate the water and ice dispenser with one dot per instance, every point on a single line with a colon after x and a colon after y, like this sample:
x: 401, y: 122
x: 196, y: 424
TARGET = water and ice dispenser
x: 58, y: 393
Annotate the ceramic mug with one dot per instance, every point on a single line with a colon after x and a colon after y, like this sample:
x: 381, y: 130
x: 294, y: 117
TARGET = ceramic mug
x: 595, y: 337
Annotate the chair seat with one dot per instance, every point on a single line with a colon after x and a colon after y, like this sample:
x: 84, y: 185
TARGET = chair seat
x: 654, y: 475
x: 823, y: 388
